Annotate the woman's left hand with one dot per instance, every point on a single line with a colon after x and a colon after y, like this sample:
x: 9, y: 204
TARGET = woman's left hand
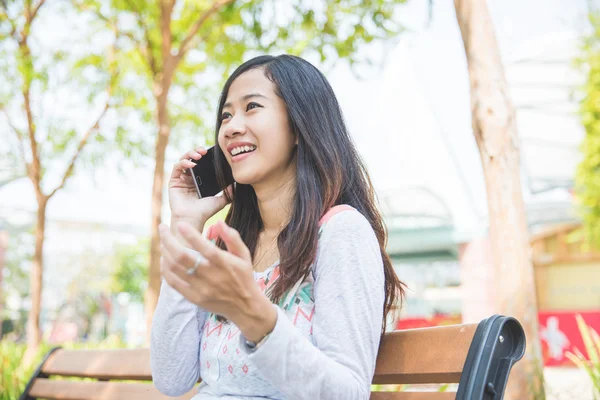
x: 223, y: 282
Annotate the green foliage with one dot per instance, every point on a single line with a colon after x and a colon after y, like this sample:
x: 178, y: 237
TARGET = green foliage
x: 14, y: 376
x: 402, y: 388
x: 131, y: 272
x: 588, y: 172
x: 324, y: 30
x: 591, y: 341
x: 16, y: 277
x: 388, y: 388
x: 68, y: 78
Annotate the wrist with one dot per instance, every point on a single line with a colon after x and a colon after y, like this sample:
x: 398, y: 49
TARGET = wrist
x: 257, y: 319
x: 195, y: 222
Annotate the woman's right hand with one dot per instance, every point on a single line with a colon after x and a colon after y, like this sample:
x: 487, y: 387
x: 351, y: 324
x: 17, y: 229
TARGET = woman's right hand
x: 183, y: 198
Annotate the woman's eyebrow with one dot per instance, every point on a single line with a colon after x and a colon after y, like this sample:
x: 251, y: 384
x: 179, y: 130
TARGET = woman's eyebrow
x: 246, y: 97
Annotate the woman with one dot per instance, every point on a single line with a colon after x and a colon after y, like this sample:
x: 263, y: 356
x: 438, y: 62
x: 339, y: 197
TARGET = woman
x: 290, y: 301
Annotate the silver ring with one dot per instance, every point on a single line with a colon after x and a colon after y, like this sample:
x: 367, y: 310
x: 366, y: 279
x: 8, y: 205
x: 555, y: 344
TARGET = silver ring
x: 197, y: 261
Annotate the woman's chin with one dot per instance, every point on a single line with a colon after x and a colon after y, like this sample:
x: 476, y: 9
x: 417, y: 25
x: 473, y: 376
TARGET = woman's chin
x: 244, y: 179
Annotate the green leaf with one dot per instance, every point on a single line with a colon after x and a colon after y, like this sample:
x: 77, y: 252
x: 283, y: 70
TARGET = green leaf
x: 587, y: 179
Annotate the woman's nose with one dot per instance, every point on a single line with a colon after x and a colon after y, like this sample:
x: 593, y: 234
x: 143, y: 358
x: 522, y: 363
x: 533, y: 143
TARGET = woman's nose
x: 235, y: 126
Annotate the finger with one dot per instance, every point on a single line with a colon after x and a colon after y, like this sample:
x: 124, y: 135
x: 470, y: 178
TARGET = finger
x: 177, y: 283
x: 190, y: 154
x: 195, y: 154
x: 233, y: 241
x: 208, y: 249
x: 181, y: 168
x: 221, y: 200
x: 201, y: 150
x: 185, y: 165
x: 173, y: 249
x: 182, y: 270
x: 187, y: 158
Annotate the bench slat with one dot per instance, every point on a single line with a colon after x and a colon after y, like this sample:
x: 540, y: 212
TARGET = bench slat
x: 432, y: 355
x: 70, y: 390
x: 413, y: 396
x: 126, y: 364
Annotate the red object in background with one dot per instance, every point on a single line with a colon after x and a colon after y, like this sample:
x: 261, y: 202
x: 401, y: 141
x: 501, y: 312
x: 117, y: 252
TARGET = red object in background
x: 559, y: 333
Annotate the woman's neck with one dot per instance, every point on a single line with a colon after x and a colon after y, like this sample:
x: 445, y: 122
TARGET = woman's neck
x: 275, y: 203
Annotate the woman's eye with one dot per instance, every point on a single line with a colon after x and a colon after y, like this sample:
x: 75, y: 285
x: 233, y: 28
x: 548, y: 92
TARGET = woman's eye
x: 225, y: 115
x: 252, y: 105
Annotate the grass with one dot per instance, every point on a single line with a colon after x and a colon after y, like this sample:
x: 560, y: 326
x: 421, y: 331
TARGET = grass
x: 591, y: 366
x: 14, y: 375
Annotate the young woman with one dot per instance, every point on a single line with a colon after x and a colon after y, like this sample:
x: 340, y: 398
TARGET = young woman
x: 290, y: 300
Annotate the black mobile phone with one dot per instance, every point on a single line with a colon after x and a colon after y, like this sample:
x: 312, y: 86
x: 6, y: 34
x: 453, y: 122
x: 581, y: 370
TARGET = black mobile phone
x: 205, y: 176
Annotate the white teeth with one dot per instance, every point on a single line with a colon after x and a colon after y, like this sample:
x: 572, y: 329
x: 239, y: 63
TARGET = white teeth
x: 241, y: 149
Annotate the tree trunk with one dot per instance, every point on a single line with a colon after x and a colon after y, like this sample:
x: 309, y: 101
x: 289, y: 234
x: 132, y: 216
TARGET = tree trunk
x: 162, y: 85
x: 34, y: 333
x: 164, y: 130
x: 494, y: 127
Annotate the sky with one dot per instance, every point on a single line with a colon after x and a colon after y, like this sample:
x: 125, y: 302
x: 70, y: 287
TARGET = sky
x: 410, y: 119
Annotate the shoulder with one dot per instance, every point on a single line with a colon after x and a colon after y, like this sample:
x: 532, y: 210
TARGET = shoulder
x: 348, y: 247
x: 347, y: 235
x: 347, y: 224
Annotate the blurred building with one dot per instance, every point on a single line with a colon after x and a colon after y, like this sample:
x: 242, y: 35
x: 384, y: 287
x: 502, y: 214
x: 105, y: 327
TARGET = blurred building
x: 421, y: 152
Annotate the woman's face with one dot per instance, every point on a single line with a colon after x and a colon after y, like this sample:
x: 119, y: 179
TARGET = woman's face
x: 255, y: 136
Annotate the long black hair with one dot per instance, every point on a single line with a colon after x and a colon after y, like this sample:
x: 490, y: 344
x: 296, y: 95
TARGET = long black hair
x: 329, y: 172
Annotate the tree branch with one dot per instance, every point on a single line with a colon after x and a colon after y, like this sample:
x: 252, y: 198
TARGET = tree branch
x: 96, y: 125
x: 21, y: 139
x: 81, y: 145
x: 118, y: 32
x: 185, y: 44
x: 13, y: 26
x: 166, y: 10
x: 149, y: 51
x: 36, y: 165
x: 35, y: 10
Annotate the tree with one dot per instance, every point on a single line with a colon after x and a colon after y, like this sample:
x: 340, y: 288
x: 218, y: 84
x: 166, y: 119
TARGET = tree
x: 587, y: 178
x: 494, y: 127
x: 131, y: 272
x: 181, y: 50
x: 41, y: 74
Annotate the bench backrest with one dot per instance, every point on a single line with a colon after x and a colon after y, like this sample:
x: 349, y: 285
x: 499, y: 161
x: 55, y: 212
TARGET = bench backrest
x: 477, y: 356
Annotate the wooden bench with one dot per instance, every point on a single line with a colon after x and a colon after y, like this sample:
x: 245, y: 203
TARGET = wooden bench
x: 478, y: 357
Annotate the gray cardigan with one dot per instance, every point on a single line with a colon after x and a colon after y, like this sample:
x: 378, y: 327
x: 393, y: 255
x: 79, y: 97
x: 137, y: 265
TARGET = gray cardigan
x: 329, y: 352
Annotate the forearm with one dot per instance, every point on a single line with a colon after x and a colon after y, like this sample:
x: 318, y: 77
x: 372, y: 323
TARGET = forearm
x: 256, y: 317
x: 195, y: 222
x: 175, y: 342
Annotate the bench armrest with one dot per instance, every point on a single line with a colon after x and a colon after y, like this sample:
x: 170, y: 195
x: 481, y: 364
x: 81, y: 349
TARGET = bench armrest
x: 37, y: 374
x: 498, y: 343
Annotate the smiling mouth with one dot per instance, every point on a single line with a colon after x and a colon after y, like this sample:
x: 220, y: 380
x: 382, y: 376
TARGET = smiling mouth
x: 242, y: 150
